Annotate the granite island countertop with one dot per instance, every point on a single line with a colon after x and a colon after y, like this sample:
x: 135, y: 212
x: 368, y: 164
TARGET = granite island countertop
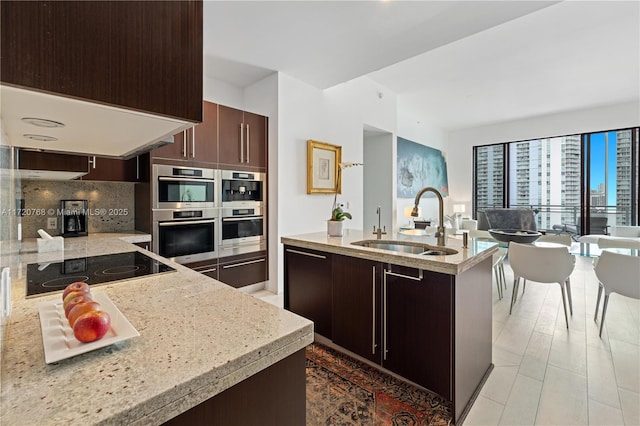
x: 198, y: 337
x: 454, y: 264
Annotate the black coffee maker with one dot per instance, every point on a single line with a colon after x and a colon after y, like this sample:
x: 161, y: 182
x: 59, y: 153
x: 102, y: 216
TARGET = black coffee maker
x: 74, y: 217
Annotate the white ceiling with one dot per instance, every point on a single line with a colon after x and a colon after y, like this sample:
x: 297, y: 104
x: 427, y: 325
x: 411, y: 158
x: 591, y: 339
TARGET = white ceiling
x: 454, y: 64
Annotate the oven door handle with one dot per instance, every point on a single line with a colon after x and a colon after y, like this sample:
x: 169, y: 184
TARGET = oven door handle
x: 187, y: 222
x: 238, y: 219
x: 179, y: 179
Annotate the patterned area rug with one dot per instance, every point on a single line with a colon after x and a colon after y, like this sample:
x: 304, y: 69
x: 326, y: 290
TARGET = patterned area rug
x: 344, y: 391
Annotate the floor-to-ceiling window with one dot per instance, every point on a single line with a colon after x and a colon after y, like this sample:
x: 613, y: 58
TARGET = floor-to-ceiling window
x: 611, y: 176
x: 567, y: 180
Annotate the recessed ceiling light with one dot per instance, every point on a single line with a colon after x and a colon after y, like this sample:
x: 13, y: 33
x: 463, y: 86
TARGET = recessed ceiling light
x: 42, y: 122
x: 41, y: 138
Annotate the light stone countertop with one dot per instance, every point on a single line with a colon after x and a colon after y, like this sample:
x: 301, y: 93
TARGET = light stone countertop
x: 454, y: 264
x: 198, y: 337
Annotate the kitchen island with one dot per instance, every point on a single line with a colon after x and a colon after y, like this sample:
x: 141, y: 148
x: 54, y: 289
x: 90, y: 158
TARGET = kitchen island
x: 402, y: 307
x: 201, y: 342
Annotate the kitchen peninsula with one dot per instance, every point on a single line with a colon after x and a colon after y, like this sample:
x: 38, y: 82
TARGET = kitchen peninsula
x: 404, y: 307
x: 202, y: 346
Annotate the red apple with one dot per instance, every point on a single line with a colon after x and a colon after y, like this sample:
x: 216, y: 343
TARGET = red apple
x: 86, y: 297
x: 91, y: 326
x: 72, y: 295
x: 76, y: 286
x: 81, y: 308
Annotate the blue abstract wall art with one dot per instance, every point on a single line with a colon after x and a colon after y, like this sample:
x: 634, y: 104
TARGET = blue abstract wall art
x: 419, y: 166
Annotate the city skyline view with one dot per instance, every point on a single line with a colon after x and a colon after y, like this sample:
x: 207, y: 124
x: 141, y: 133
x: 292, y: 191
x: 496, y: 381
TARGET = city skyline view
x: 545, y: 174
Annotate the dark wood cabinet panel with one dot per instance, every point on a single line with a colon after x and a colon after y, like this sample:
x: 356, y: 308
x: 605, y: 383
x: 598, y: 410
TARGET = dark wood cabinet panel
x: 141, y: 55
x: 242, y: 139
x: 112, y: 169
x: 256, y: 140
x: 356, y: 306
x: 197, y: 144
x: 307, y: 287
x: 275, y: 396
x: 204, y: 136
x: 243, y: 270
x: 206, y: 267
x: 230, y: 135
x: 36, y: 160
x: 176, y: 150
x: 419, y: 327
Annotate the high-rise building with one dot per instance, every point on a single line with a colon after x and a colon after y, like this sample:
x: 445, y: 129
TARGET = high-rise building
x: 489, y: 176
x: 624, y: 170
x: 545, y: 175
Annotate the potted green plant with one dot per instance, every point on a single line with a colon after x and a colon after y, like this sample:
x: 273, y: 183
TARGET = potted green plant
x: 338, y: 215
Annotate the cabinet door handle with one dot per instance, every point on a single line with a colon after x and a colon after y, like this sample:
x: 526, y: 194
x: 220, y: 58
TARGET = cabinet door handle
x: 418, y: 278
x: 184, y: 144
x: 202, y: 271
x: 304, y: 253
x: 242, y: 142
x: 193, y: 142
x: 93, y: 163
x: 137, y: 167
x: 248, y: 142
x: 373, y: 309
x: 250, y: 262
x: 385, y: 349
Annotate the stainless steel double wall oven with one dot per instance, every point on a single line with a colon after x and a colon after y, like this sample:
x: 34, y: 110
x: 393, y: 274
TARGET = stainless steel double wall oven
x: 242, y: 218
x: 201, y: 214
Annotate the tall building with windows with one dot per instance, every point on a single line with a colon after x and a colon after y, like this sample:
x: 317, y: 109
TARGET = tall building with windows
x: 489, y: 176
x: 545, y: 174
x: 624, y: 173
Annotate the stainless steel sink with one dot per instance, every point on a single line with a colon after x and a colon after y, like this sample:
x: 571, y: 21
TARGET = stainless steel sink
x: 411, y: 247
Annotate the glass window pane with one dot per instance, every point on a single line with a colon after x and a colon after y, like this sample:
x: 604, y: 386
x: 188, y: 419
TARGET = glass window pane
x: 544, y: 175
x: 489, y: 190
x: 611, y: 177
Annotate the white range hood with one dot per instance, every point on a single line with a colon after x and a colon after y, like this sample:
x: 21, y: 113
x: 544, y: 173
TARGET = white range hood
x: 88, y: 128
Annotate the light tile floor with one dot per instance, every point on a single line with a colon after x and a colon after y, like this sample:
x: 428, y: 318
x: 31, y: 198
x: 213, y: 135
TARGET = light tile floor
x: 545, y: 374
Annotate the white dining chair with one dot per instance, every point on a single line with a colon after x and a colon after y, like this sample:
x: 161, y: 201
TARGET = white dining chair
x: 497, y: 261
x: 543, y: 265
x: 612, y: 242
x: 564, y: 239
x: 617, y: 273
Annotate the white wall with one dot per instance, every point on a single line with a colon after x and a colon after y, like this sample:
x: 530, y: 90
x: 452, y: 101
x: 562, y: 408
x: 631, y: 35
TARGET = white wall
x: 336, y: 116
x: 460, y: 159
x: 418, y: 129
x: 379, y: 177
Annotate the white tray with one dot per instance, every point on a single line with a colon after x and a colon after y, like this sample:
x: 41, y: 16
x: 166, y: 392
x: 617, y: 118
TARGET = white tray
x: 57, y: 336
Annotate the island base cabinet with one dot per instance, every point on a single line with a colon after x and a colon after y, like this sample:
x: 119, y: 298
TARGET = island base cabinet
x: 275, y: 396
x: 418, y: 327
x: 307, y: 286
x: 356, y: 306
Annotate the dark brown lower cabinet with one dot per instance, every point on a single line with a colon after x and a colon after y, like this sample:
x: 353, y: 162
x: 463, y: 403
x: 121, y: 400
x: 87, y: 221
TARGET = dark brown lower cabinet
x: 417, y: 322
x: 206, y: 267
x: 431, y: 328
x: 307, y: 286
x: 242, y: 270
x: 356, y: 306
x: 275, y: 396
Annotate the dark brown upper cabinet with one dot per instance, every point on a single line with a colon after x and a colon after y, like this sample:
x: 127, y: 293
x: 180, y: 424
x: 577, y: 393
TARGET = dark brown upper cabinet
x: 198, y: 144
x: 139, y: 55
x: 242, y: 140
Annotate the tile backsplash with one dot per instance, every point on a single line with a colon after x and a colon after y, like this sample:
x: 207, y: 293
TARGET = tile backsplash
x: 111, y: 205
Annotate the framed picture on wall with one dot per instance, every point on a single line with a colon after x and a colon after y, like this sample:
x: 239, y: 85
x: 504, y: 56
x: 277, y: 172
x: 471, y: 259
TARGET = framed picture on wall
x: 323, y: 161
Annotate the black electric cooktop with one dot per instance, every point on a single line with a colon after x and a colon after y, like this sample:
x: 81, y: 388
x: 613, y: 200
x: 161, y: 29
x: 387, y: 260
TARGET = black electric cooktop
x: 55, y: 276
